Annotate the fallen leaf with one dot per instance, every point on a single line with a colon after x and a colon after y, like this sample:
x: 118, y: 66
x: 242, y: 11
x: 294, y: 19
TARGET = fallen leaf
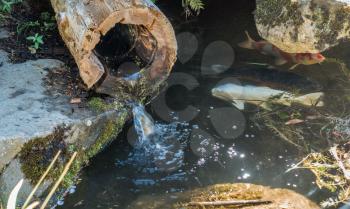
x: 294, y: 122
x: 75, y: 100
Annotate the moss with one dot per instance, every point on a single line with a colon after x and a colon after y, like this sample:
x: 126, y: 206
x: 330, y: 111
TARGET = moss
x: 329, y: 23
x: 222, y: 192
x: 110, y: 131
x: 37, y: 154
x: 99, y: 105
x: 277, y: 12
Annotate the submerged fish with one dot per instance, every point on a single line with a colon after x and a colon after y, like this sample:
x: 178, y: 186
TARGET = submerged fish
x: 263, y: 96
x: 276, y: 79
x: 282, y: 57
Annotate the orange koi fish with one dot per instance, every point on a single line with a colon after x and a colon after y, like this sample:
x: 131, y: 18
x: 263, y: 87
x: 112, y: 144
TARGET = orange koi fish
x: 282, y: 57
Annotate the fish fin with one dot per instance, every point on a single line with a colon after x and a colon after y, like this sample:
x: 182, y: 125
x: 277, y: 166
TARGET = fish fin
x: 265, y: 106
x: 239, y: 104
x: 313, y: 99
x: 293, y: 67
x: 280, y: 61
x: 248, y: 44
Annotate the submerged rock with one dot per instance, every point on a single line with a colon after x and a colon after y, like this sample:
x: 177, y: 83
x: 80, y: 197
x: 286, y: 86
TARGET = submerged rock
x: 4, y: 34
x: 37, y: 120
x: 280, y: 198
x: 297, y: 26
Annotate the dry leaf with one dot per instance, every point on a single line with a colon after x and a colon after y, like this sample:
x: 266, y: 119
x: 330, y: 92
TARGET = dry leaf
x: 75, y: 100
x: 294, y: 122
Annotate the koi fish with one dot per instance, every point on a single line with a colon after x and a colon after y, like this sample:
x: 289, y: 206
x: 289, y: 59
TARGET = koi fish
x: 261, y: 96
x: 282, y: 57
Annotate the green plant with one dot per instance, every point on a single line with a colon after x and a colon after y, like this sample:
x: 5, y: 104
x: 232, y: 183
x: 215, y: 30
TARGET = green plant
x: 48, y: 21
x: 45, y: 23
x: 192, y: 5
x: 36, y: 40
x: 6, y: 5
x: 22, y: 27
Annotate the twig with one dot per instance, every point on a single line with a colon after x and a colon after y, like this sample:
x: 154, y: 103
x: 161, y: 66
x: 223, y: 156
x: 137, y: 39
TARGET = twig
x: 346, y: 172
x: 230, y: 202
x: 29, y: 198
x: 58, y: 182
x: 296, y: 166
x: 285, y: 138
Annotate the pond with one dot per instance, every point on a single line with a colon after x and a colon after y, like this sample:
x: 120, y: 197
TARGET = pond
x: 239, y: 146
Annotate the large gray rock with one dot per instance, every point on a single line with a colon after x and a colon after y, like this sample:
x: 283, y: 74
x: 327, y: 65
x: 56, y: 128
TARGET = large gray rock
x: 303, y: 25
x: 37, y: 120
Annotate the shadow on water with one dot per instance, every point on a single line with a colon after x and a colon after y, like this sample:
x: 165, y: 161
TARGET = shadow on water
x: 218, y: 143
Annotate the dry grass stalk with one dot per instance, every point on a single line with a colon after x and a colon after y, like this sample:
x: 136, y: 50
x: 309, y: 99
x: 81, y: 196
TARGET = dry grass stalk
x: 230, y: 203
x: 332, y: 171
x: 12, y: 201
x: 41, y: 180
x: 58, y: 182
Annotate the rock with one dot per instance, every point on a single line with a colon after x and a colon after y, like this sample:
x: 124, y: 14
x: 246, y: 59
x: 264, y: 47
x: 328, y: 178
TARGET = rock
x: 281, y: 198
x: 37, y: 120
x: 4, y: 34
x: 297, y: 26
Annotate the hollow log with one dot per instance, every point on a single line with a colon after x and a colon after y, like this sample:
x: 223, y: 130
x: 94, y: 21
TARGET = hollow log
x: 84, y: 23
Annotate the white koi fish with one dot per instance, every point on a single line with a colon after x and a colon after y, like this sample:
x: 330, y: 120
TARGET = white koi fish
x: 261, y: 96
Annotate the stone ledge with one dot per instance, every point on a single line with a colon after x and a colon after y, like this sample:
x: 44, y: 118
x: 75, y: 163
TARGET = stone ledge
x: 37, y: 120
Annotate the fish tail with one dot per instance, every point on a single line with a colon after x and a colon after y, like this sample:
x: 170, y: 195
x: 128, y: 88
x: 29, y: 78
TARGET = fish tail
x: 249, y: 43
x: 313, y: 99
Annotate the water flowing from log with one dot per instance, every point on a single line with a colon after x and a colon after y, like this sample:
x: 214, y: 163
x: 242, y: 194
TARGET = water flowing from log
x: 157, y: 144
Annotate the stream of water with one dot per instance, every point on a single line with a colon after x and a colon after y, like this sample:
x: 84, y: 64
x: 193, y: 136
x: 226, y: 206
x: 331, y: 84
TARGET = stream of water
x: 190, y: 139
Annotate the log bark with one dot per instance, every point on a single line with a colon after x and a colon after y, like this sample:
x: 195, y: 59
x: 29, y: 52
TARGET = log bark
x: 82, y: 24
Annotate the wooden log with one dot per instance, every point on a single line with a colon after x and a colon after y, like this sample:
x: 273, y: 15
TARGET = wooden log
x: 83, y: 23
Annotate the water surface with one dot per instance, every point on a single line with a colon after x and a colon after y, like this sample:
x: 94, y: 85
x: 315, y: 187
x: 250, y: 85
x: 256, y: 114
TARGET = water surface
x: 219, y: 143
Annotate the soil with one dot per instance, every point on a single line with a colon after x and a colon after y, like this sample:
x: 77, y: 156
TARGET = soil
x: 53, y: 48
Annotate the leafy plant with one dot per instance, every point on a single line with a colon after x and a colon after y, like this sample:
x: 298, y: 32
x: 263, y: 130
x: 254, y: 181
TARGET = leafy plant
x: 192, y: 5
x: 6, y: 5
x: 36, y: 40
x: 48, y: 21
x: 22, y: 27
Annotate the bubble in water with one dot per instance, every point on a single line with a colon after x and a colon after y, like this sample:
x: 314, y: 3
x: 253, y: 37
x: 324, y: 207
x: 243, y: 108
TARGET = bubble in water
x: 202, y: 143
x: 201, y: 162
x: 228, y: 122
x: 157, y: 146
x: 246, y: 175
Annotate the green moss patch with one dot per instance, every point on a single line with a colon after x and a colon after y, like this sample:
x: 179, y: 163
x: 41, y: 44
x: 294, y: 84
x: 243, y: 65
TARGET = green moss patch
x: 38, y: 153
x: 99, y: 105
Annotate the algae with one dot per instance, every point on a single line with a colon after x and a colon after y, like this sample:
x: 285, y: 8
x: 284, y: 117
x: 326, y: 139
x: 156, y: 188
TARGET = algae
x: 240, y: 191
x: 277, y: 12
x: 37, y: 154
x: 331, y: 169
x: 329, y: 24
x: 99, y: 105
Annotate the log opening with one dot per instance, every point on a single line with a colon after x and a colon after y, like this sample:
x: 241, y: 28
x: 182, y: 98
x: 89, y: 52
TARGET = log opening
x: 122, y: 50
x: 103, y: 35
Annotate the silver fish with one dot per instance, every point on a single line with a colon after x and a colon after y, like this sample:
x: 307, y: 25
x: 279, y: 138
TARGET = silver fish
x: 261, y: 96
